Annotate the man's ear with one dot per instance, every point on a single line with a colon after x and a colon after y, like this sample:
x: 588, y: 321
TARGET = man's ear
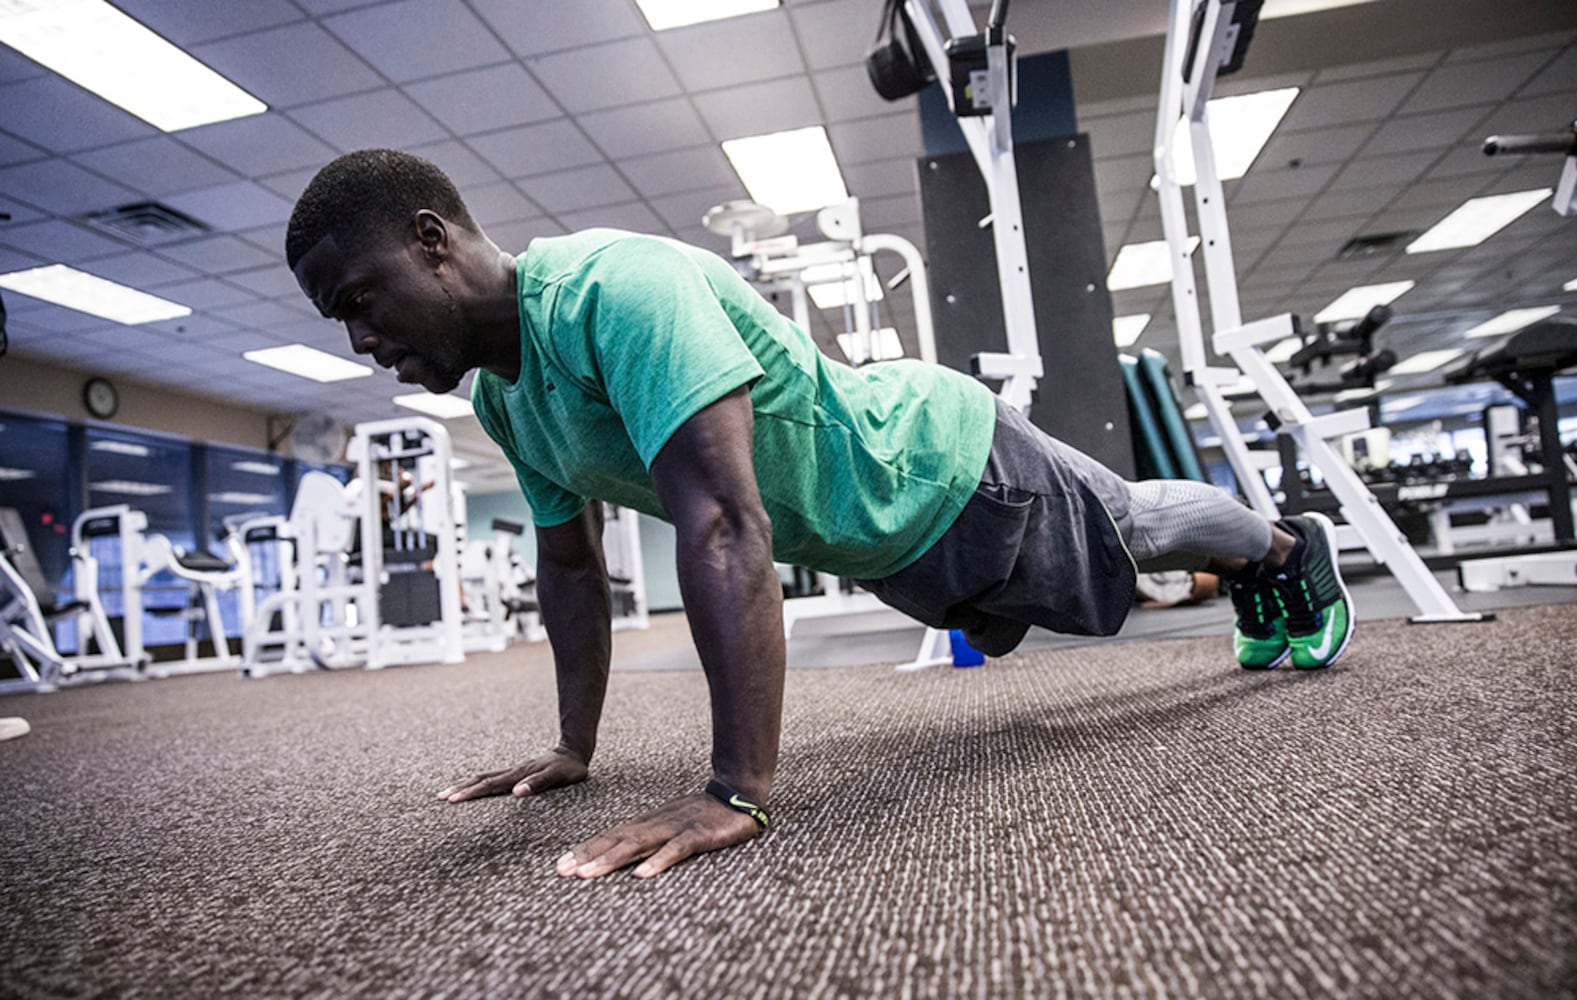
x: 432, y: 234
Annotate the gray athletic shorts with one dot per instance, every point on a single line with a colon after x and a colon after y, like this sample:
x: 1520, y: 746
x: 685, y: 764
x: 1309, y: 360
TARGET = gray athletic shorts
x: 1038, y: 544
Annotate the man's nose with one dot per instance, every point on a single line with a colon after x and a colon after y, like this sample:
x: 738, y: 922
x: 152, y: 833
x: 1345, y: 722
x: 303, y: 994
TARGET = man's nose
x: 362, y: 340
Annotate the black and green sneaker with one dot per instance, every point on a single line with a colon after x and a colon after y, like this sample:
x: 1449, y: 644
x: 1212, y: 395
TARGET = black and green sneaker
x: 1259, y: 636
x: 1314, y: 600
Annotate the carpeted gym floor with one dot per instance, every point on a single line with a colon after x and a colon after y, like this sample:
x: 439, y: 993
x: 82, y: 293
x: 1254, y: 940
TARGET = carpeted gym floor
x: 1126, y: 819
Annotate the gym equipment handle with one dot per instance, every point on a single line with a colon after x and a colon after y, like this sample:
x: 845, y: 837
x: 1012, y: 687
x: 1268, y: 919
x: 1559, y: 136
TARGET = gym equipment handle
x: 1564, y: 143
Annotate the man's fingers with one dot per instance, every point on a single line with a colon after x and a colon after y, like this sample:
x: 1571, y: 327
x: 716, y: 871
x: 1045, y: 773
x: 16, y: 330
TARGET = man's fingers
x: 670, y: 854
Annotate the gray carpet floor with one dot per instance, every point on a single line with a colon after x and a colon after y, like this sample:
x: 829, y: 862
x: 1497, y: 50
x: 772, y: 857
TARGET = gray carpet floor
x: 1125, y: 819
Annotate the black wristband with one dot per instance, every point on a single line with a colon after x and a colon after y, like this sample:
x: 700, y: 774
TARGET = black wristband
x: 737, y: 802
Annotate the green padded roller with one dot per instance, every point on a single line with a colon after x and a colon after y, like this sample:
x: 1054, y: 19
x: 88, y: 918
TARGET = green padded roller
x: 1152, y: 367
x: 1150, y: 448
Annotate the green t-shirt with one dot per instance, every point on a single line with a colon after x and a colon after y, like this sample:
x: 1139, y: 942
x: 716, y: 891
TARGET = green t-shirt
x: 624, y: 337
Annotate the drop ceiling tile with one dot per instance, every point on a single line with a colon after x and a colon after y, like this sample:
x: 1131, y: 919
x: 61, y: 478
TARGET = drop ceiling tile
x: 1327, y: 105
x: 139, y: 270
x: 64, y: 118
x: 685, y: 211
x: 634, y: 216
x: 1276, y: 185
x: 641, y: 129
x: 15, y: 260
x: 1547, y: 113
x: 1558, y: 77
x: 881, y: 178
x: 289, y: 184
x: 464, y: 167
x: 454, y: 101
x: 58, y: 240
x: 273, y: 281
x: 206, y: 293
x: 875, y: 139
x: 588, y: 187
x: 15, y: 66
x: 514, y: 236
x: 217, y: 254
x: 605, y: 76
x: 1323, y: 145
x: 260, y: 144
x: 411, y: 39
x: 535, y: 149
x: 531, y: 27
x: 1348, y: 204
x: 14, y: 150
x: 681, y: 170
x: 58, y: 319
x: 1440, y: 131
x: 732, y: 51
x: 759, y: 108
x: 1446, y: 194
x: 1465, y: 84
x: 1393, y: 172
x: 156, y: 166
x: 270, y: 239
x: 1468, y: 158
x: 191, y: 22
x: 836, y: 33
x: 846, y: 94
x: 289, y: 65
x: 495, y: 203
x: 13, y: 212
x: 61, y: 187
x: 382, y: 118
x: 1125, y: 174
x: 232, y: 206
x: 273, y: 312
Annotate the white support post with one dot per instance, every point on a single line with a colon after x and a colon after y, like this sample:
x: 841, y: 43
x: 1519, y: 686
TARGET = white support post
x: 1244, y: 342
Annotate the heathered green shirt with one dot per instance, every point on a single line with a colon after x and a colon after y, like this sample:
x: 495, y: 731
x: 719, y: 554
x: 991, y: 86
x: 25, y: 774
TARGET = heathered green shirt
x: 623, y: 338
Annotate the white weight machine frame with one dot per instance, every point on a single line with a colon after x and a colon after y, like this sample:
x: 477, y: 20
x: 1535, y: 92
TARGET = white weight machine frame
x: 1186, y: 99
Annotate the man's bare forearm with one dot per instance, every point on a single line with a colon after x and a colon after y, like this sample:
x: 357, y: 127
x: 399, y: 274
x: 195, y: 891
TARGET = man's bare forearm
x: 735, y: 604
x: 577, y: 610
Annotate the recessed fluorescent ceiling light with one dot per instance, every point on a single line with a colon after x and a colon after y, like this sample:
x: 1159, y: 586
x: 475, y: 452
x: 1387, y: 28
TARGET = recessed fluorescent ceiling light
x: 1476, y: 220
x: 1512, y: 321
x: 240, y: 498
x: 884, y: 342
x: 11, y: 475
x: 1379, y: 387
x: 130, y: 488
x: 120, y: 448
x: 1126, y: 329
x: 100, y: 49
x: 1356, y: 302
x: 834, y: 285
x: 256, y: 468
x: 1570, y: 286
x: 1140, y: 264
x: 1291, y: 8
x: 665, y: 14
x: 788, y: 172
x: 1428, y: 361
x: 307, y: 362
x: 1196, y: 412
x: 65, y: 286
x: 440, y: 405
x: 1239, y: 128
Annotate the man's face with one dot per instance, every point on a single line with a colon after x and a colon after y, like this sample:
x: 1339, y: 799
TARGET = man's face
x: 394, y: 307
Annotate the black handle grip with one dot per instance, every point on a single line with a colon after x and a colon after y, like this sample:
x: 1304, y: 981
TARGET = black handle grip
x: 1563, y: 143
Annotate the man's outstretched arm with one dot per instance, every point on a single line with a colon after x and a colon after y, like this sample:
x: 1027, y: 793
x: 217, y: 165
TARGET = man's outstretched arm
x: 705, y: 478
x: 572, y: 589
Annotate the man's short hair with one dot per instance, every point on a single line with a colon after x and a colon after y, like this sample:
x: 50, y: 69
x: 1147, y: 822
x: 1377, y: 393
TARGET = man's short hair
x: 368, y: 195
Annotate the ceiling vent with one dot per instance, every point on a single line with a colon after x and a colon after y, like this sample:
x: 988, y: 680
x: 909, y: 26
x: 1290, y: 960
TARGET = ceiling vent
x: 146, y: 223
x: 1368, y: 246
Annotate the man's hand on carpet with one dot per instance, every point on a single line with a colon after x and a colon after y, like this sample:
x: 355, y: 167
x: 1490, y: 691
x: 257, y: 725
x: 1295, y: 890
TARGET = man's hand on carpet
x: 554, y: 769
x: 664, y: 837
